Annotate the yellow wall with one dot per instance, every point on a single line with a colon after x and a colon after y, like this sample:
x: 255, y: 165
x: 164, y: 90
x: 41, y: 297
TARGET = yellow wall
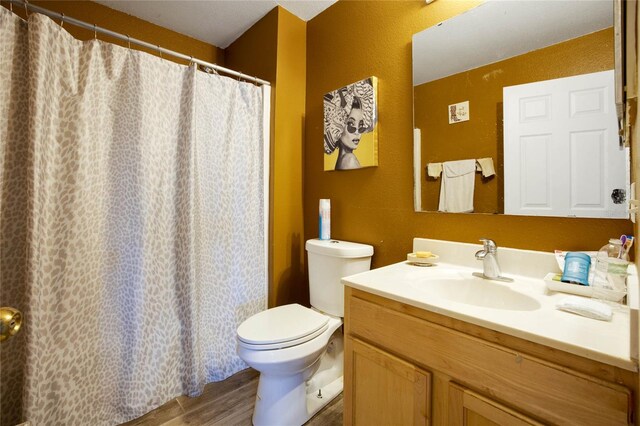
x: 275, y: 49
x: 255, y: 51
x: 289, y: 269
x: 481, y: 136
x: 120, y: 22
x: 354, y: 40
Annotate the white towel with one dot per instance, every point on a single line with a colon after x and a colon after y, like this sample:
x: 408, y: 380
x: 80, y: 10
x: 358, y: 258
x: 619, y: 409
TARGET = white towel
x: 485, y: 165
x: 434, y: 170
x: 456, y: 189
x: 585, y: 307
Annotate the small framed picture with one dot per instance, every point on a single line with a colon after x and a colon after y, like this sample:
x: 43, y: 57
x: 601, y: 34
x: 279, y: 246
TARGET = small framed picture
x: 459, y: 112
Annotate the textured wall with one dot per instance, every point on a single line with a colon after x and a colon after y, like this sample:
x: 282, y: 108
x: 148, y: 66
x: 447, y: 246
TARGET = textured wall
x: 481, y: 136
x: 289, y: 284
x: 120, y: 22
x: 353, y: 40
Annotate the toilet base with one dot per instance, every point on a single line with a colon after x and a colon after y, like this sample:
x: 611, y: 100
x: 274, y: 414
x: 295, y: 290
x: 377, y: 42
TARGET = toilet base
x: 329, y: 392
x: 285, y: 401
x: 291, y: 400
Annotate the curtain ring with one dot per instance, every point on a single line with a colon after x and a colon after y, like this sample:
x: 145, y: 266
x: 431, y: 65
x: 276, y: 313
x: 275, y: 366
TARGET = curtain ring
x: 159, y: 51
x: 255, y: 80
x: 11, y: 6
x: 61, y: 20
x: 190, y: 60
x: 26, y: 9
x: 129, y: 41
x: 95, y: 32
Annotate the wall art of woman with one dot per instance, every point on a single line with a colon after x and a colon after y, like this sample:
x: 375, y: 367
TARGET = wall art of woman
x: 349, y: 123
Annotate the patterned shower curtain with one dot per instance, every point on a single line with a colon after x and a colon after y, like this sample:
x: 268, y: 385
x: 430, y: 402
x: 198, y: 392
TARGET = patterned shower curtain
x: 132, y: 225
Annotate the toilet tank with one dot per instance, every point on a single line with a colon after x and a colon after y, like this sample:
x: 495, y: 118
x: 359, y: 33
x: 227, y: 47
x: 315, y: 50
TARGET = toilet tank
x: 329, y: 261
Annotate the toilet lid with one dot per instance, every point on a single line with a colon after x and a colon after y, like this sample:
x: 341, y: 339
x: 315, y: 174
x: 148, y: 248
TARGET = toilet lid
x: 280, y: 327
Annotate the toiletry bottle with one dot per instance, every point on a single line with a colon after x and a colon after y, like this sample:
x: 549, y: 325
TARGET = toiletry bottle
x: 324, y: 219
x: 611, y: 266
x: 576, y: 268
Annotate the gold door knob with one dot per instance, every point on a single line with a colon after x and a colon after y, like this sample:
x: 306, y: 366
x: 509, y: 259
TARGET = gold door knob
x: 10, y: 322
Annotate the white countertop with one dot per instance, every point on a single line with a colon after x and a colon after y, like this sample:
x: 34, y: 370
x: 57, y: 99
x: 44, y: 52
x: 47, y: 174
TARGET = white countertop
x: 605, y: 341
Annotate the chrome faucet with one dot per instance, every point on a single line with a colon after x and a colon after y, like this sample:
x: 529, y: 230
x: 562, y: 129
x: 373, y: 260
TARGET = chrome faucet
x: 489, y: 257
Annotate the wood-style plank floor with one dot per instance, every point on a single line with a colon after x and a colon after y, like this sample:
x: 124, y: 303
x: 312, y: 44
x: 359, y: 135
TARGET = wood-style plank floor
x: 226, y: 403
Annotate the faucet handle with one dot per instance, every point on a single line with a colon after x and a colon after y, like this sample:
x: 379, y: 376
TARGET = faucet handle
x: 489, y: 245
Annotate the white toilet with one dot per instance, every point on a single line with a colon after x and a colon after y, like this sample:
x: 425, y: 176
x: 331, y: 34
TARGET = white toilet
x: 299, y: 351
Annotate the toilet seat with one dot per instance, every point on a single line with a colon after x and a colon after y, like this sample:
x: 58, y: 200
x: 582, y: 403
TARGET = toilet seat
x: 281, y: 327
x: 282, y: 345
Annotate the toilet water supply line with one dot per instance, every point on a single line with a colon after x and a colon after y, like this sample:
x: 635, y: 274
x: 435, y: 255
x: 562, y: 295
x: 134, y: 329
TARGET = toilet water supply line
x: 130, y: 40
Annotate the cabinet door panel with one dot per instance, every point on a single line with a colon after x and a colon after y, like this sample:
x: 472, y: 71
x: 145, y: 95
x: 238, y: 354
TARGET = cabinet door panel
x: 384, y: 390
x: 467, y: 408
x: 548, y: 391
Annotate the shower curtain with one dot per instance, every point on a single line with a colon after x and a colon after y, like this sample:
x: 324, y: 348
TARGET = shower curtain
x: 132, y: 225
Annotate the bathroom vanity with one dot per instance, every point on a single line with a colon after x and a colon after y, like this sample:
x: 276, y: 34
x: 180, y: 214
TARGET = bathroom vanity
x: 437, y: 346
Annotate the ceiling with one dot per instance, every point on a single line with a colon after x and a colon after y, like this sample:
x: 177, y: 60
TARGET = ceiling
x: 219, y: 22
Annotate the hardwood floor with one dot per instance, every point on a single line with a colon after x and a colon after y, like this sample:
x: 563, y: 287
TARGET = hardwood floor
x: 226, y: 403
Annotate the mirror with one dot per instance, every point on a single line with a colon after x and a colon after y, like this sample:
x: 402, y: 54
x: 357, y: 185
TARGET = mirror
x: 527, y: 88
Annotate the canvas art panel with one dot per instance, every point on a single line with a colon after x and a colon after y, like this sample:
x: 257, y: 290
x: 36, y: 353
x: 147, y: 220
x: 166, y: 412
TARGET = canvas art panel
x: 350, y: 126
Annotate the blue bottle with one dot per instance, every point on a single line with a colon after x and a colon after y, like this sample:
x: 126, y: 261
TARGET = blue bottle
x: 576, y: 268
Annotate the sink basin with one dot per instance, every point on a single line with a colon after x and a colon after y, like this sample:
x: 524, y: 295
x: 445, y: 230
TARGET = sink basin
x: 477, y: 292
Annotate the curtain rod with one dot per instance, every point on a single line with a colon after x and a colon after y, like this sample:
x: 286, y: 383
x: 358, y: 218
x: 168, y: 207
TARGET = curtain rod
x: 131, y: 40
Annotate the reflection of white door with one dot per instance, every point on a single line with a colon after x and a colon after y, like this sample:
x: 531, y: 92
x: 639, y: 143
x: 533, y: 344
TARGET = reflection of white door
x: 561, y: 151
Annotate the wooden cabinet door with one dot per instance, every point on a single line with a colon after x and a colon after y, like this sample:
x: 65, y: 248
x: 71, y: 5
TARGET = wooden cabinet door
x: 471, y: 409
x: 381, y: 389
